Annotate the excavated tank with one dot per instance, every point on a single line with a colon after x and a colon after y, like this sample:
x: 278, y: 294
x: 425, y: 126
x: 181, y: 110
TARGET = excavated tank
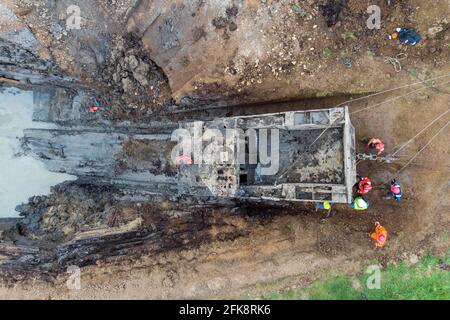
x: 291, y: 156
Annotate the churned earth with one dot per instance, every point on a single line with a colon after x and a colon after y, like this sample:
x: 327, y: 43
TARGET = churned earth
x: 225, y: 251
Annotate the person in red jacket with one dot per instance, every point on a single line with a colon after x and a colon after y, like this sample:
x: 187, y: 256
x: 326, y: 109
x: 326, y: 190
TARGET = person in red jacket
x: 374, y: 143
x: 94, y: 106
x: 364, y: 185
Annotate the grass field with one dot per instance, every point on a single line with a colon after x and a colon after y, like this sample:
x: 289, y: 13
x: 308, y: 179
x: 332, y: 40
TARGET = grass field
x: 428, y: 279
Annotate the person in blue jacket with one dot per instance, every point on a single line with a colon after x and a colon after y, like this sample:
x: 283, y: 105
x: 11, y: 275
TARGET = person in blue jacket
x: 395, y: 191
x: 406, y: 36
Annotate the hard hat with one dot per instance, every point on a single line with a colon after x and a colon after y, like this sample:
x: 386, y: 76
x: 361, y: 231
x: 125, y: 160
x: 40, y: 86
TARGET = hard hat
x: 327, y: 205
x: 361, y: 202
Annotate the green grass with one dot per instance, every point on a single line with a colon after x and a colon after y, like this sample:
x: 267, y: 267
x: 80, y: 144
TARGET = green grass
x: 413, y: 72
x: 345, y: 54
x: 425, y: 280
x: 299, y: 10
x: 327, y: 53
x: 348, y: 35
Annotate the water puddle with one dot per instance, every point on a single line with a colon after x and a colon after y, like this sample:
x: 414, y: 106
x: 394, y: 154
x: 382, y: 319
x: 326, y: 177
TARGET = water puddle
x: 21, y: 177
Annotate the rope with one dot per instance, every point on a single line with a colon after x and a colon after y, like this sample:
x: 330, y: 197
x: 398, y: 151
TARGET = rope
x: 403, y: 146
x: 396, y: 98
x: 420, y: 151
x: 332, y: 122
x: 430, y: 86
x: 341, y: 104
x: 321, y: 134
x: 373, y: 157
x: 375, y: 106
x: 296, y: 161
x: 389, y: 90
x: 395, y: 61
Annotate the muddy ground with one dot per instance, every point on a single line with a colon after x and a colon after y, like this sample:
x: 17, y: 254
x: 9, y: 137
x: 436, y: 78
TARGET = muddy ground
x: 184, y: 248
x: 192, y: 250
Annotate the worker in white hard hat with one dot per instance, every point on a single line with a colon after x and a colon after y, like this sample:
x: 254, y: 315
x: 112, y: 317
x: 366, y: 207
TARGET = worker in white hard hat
x: 360, y: 204
x: 325, y: 206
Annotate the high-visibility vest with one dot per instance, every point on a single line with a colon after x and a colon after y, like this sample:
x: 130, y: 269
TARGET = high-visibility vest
x: 360, y: 204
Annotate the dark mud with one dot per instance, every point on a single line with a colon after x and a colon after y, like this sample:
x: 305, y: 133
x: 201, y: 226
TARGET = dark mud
x: 49, y: 237
x: 331, y: 10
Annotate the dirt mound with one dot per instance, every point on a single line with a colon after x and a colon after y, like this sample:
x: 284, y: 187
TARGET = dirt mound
x: 331, y: 11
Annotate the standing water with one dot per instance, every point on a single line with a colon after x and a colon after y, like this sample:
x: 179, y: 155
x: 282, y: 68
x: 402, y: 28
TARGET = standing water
x: 21, y: 177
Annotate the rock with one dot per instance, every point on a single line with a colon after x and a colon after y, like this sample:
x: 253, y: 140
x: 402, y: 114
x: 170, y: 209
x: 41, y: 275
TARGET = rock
x: 67, y: 230
x: 432, y: 32
x: 141, y: 73
x: 116, y: 77
x: 413, y: 259
x: 133, y: 62
x: 219, y: 22
x: 233, y: 26
x: 29, y: 259
x: 127, y: 85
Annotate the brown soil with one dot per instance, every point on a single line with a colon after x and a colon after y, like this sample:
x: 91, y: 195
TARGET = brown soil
x: 226, y: 252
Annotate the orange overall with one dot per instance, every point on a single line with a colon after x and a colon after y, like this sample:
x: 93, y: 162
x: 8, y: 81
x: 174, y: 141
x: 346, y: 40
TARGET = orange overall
x: 380, y: 235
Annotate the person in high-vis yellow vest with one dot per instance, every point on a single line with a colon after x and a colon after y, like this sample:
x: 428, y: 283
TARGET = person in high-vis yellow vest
x: 359, y: 204
x: 323, y: 206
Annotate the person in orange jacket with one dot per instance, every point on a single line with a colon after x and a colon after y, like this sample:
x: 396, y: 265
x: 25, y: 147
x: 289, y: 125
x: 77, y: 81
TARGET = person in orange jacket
x: 380, y: 235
